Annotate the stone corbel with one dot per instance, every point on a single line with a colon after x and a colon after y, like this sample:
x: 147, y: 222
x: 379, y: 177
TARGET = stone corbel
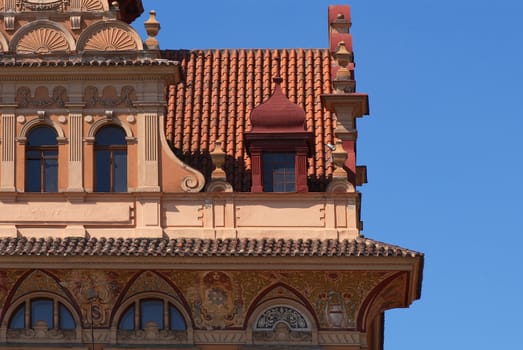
x: 9, y: 22
x: 76, y: 22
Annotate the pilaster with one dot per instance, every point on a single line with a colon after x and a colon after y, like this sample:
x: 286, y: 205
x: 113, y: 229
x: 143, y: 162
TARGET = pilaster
x: 8, y: 169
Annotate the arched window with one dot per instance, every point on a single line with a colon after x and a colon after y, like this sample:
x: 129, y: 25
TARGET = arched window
x: 41, y: 160
x: 45, y: 313
x: 110, y: 160
x: 143, y: 313
x: 281, y: 324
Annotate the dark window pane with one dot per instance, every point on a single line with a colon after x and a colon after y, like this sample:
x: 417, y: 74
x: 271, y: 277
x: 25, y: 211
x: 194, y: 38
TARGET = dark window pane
x: 110, y: 135
x: 103, y: 171
x: 18, y: 318
x: 120, y: 171
x: 41, y: 136
x: 151, y: 310
x: 279, y: 172
x: 127, y: 320
x: 66, y: 319
x: 33, y: 181
x: 42, y: 310
x: 50, y: 175
x: 177, y: 323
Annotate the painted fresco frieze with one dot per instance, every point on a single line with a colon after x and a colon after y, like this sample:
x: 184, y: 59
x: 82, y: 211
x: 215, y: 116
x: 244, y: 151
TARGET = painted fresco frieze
x: 41, y: 98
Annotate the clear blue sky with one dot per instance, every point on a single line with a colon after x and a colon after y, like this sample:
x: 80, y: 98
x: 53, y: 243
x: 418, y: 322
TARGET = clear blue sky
x: 443, y: 143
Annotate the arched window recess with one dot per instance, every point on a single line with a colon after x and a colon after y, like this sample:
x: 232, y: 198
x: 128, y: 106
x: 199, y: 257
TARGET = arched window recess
x: 40, y: 317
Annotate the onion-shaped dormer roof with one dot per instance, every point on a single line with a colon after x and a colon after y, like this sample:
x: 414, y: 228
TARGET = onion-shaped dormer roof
x: 278, y: 114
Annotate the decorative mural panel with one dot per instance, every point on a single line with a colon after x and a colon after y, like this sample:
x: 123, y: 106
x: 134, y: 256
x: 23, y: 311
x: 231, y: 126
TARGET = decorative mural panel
x: 149, y: 282
x: 96, y: 289
x: 38, y: 281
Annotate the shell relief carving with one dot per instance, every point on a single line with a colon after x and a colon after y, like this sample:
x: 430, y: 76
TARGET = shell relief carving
x: 42, y: 41
x: 92, y: 5
x: 111, y: 39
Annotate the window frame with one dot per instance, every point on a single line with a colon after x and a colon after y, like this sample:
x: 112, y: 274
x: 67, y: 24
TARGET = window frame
x: 112, y: 149
x: 269, y: 162
x: 43, y: 157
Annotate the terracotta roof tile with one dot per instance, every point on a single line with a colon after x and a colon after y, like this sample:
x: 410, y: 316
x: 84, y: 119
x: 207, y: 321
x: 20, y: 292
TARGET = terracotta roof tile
x: 219, y: 91
x: 76, y: 246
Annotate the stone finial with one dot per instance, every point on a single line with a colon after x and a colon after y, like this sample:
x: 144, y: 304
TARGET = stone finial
x: 341, y: 24
x: 218, y: 181
x: 339, y: 156
x: 344, y: 57
x: 152, y: 27
x: 339, y: 182
x: 218, y: 160
x: 343, y: 81
x: 114, y: 11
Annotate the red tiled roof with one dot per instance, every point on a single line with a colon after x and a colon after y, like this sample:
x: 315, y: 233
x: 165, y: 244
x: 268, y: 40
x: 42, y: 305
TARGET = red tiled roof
x: 82, y: 60
x: 220, y: 89
x: 73, y: 246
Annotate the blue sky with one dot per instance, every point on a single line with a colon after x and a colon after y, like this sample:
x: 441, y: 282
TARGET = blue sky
x: 443, y: 143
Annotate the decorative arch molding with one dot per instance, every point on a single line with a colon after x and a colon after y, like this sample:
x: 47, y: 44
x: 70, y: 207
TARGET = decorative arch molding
x: 281, y: 291
x: 282, y: 321
x: 41, y: 37
x: 110, y: 121
x: 389, y: 294
x: 109, y: 36
x: 139, y: 336
x: 38, y: 121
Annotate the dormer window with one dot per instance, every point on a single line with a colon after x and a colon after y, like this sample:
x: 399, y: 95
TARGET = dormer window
x: 279, y: 172
x: 279, y: 145
x: 41, y: 160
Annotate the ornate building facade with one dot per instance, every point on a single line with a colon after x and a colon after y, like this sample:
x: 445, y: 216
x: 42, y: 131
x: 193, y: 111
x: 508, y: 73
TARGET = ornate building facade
x: 169, y: 198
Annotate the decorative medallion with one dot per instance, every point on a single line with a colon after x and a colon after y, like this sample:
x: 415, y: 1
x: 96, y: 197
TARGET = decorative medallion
x: 42, y: 41
x: 111, y: 39
x: 273, y: 316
